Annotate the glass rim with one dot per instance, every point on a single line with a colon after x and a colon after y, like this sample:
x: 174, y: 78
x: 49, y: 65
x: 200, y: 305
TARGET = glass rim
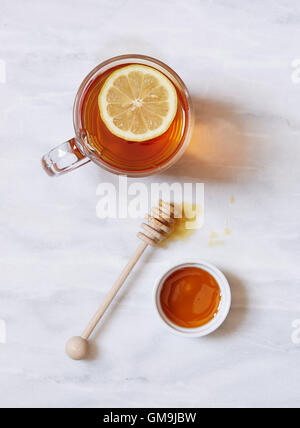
x: 102, y: 67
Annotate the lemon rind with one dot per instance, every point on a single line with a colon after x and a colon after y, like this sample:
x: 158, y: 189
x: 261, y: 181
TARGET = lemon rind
x: 150, y: 134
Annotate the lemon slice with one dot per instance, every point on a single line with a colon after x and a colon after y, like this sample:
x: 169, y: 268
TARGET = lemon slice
x: 137, y: 103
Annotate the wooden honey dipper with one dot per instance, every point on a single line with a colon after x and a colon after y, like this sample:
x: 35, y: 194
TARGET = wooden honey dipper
x: 158, y: 227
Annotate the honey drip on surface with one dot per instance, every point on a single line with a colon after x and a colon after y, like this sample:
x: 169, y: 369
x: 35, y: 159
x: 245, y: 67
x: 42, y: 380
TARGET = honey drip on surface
x: 186, y: 225
x: 190, y: 297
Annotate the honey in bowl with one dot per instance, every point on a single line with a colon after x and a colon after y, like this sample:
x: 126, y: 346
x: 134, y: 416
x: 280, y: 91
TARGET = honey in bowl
x: 190, y: 297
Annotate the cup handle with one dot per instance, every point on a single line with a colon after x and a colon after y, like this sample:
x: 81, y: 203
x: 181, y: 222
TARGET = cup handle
x: 63, y: 158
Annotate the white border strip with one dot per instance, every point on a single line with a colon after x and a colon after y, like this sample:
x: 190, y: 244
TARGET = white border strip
x: 2, y: 331
x: 2, y: 71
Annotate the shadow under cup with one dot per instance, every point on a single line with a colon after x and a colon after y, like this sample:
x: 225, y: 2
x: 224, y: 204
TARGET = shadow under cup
x: 93, y: 141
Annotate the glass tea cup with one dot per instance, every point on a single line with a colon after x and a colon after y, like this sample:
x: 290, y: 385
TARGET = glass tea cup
x: 94, y: 142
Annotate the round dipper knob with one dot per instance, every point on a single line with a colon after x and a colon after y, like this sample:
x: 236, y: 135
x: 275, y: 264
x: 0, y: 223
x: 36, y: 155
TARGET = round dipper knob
x: 77, y: 348
x: 157, y: 228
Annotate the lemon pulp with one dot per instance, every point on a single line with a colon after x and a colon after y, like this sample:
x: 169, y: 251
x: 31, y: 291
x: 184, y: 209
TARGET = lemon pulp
x: 137, y: 103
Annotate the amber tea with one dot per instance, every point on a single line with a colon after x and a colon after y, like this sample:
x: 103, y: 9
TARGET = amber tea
x: 123, y: 154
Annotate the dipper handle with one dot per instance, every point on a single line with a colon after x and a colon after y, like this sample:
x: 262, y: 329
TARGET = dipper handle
x: 158, y: 226
x: 113, y: 291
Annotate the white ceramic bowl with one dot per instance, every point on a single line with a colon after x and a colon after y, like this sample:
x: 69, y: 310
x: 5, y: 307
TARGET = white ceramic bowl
x: 223, y: 310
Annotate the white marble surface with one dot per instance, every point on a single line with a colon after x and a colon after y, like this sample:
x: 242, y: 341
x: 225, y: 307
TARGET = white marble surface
x: 58, y: 258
